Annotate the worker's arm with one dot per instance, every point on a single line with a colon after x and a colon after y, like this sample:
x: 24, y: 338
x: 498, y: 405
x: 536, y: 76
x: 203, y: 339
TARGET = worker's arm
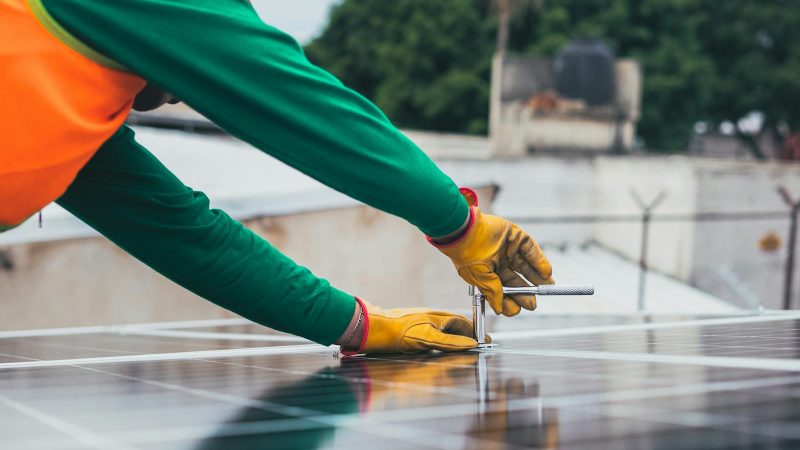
x: 126, y: 194
x: 255, y: 82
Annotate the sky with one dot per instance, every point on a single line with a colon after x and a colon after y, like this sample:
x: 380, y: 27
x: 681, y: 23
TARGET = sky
x: 303, y: 19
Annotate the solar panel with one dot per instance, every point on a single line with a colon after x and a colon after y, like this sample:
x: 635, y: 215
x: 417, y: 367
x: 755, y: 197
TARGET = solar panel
x: 624, y: 382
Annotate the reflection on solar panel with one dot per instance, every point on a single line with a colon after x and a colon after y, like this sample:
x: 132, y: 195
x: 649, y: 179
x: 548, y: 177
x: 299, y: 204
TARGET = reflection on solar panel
x: 560, y: 382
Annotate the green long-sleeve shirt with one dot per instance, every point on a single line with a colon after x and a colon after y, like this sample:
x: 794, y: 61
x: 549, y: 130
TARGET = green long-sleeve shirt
x: 254, y: 82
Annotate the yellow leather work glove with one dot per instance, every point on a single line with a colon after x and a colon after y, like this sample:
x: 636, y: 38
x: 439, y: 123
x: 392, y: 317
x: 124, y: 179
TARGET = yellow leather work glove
x: 491, y: 252
x: 411, y: 330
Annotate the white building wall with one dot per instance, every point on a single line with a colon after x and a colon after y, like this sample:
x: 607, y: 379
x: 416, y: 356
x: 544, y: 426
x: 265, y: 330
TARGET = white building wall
x: 734, y: 246
x: 536, y: 187
x: 670, y: 243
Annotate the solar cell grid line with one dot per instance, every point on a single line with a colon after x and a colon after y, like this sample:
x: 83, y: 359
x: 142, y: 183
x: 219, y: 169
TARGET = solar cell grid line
x: 14, y: 358
x: 55, y: 331
x: 142, y: 343
x: 184, y: 343
x: 55, y: 345
x: 523, y: 334
x: 176, y: 325
x: 46, y: 347
x: 710, y: 341
x: 216, y: 336
x: 79, y: 434
x: 712, y: 361
x: 681, y: 347
x: 224, y: 353
x: 122, y: 328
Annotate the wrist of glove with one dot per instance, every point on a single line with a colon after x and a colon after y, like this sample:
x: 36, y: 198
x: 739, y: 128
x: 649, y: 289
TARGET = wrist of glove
x: 491, y: 253
x: 412, y: 330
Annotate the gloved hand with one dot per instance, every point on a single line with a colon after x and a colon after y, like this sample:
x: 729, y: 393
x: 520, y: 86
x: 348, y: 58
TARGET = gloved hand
x: 489, y: 253
x: 410, y: 330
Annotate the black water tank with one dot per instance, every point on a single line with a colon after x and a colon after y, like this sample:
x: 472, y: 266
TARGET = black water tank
x: 584, y: 70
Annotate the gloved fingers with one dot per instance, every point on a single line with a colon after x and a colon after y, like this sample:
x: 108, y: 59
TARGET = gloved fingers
x: 510, y: 306
x: 525, y: 256
x: 482, y: 276
x: 519, y: 264
x: 511, y: 278
x: 425, y: 336
x: 533, y: 255
x: 456, y: 324
x: 512, y: 303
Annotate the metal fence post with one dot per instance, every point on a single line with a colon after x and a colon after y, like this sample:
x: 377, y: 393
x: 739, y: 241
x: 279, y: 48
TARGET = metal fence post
x: 647, y: 210
x: 788, y: 278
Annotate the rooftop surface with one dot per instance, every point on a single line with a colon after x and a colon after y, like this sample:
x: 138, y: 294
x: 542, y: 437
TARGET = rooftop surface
x: 616, y: 280
x: 613, y: 382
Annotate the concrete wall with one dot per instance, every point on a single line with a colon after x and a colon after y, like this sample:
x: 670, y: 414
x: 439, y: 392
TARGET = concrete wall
x: 90, y: 281
x: 671, y: 244
x: 542, y: 186
x: 733, y: 246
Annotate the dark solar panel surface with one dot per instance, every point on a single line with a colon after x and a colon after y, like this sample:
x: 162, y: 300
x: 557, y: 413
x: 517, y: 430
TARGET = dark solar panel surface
x: 631, y: 384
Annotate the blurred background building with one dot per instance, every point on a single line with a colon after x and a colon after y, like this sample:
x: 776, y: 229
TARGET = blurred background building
x: 583, y: 100
x: 642, y: 143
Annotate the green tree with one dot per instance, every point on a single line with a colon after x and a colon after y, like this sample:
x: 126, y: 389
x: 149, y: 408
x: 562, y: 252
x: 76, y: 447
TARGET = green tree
x: 424, y: 63
x: 756, y: 56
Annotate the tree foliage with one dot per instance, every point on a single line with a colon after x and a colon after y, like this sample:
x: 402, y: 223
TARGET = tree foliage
x: 426, y: 62
x: 755, y: 49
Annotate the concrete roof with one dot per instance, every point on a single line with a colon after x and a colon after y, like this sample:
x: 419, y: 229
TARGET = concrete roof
x: 616, y: 281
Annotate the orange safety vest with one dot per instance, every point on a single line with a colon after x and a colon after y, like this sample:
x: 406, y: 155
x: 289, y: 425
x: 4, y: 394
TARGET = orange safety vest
x: 59, y: 102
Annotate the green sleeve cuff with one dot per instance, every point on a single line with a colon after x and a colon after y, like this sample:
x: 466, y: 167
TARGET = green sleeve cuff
x: 332, y: 318
x: 456, y: 218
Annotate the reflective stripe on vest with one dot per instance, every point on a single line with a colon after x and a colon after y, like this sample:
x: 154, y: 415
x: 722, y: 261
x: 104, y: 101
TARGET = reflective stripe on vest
x: 57, y: 107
